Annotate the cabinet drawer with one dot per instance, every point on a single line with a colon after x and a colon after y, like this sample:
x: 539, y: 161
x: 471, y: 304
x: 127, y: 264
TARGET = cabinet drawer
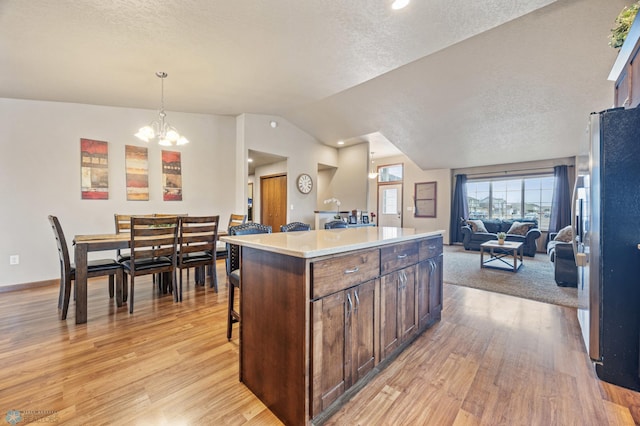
x: 430, y: 247
x: 398, y: 256
x: 338, y: 273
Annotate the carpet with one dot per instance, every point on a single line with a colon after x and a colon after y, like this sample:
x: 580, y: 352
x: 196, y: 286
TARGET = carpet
x: 534, y: 280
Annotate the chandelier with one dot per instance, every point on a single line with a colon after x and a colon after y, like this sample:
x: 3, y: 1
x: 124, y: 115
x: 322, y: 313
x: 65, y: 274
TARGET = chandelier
x: 160, y: 130
x: 372, y: 171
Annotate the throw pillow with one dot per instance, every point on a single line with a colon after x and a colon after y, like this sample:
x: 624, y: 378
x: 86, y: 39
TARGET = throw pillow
x: 520, y: 228
x: 565, y: 235
x: 476, y: 225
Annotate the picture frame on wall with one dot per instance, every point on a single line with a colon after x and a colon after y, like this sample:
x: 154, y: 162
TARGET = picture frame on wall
x: 425, y: 197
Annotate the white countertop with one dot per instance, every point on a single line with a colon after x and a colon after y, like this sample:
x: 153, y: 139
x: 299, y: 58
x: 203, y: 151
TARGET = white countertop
x: 308, y: 244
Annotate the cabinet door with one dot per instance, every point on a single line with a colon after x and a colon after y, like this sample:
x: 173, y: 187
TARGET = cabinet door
x: 435, y: 289
x: 429, y: 291
x: 425, y: 276
x: 328, y: 340
x: 389, y: 338
x: 362, y: 331
x: 398, y: 319
x: 407, y: 318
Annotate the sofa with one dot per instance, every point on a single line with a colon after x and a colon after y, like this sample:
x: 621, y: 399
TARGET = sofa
x: 564, y: 264
x: 472, y: 236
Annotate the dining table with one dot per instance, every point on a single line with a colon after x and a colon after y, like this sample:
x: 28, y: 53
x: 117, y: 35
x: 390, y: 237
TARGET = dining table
x: 83, y: 244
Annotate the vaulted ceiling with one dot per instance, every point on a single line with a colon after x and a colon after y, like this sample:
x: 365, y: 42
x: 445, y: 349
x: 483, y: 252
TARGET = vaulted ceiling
x: 451, y: 83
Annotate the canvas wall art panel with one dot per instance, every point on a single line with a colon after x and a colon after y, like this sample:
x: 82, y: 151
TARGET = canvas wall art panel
x: 171, y: 176
x: 94, y: 163
x: 137, y: 164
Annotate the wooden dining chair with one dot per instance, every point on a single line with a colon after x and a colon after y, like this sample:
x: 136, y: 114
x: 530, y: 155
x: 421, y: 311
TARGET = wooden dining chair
x: 233, y: 268
x: 198, y: 236
x: 154, y: 242
x: 123, y: 224
x: 95, y: 268
x: 221, y: 246
x: 295, y: 226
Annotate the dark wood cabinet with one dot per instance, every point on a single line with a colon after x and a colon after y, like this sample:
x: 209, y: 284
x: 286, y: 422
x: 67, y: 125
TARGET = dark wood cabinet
x: 429, y: 292
x: 343, y: 336
x: 429, y: 283
x: 361, y: 331
x: 314, y: 329
x: 398, y: 318
x: 397, y: 309
x: 626, y: 70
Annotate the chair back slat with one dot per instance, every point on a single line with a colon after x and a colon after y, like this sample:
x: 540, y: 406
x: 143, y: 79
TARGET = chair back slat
x: 153, y: 231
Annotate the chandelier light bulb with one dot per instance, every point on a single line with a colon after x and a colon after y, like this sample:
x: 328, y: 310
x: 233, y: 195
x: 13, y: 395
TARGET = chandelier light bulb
x: 399, y: 4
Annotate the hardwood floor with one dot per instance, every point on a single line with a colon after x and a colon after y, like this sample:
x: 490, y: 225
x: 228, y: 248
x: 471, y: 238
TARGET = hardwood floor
x: 493, y: 359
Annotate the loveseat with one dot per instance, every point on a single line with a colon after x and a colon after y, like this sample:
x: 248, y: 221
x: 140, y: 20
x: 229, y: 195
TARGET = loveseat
x: 471, y: 239
x: 564, y: 264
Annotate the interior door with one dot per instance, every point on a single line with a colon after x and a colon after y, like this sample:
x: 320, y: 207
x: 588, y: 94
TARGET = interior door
x: 390, y: 205
x: 273, y: 201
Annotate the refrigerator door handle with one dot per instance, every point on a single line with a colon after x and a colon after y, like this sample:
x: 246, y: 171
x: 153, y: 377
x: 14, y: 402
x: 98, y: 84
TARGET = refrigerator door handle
x: 574, y: 225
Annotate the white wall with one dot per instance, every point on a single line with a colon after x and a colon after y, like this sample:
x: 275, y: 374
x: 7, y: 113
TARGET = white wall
x: 412, y: 175
x: 349, y: 183
x: 303, y: 153
x: 40, y: 175
x: 325, y: 177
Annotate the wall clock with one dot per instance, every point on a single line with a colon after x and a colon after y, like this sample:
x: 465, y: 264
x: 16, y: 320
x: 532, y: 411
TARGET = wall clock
x: 305, y: 183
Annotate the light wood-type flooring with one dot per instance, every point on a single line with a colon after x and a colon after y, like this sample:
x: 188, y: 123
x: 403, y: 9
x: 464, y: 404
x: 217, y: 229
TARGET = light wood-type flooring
x: 492, y: 360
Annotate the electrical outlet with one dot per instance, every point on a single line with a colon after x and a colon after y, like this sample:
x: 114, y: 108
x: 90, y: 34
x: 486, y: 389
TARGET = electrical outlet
x: 14, y: 259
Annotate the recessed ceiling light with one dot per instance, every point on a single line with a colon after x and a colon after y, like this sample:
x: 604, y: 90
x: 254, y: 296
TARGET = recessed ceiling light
x: 273, y: 124
x: 250, y: 160
x: 340, y: 142
x: 399, y: 4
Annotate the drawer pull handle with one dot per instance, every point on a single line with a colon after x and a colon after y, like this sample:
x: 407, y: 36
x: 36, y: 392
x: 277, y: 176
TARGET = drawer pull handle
x: 432, y: 247
x: 351, y: 271
x: 402, y: 256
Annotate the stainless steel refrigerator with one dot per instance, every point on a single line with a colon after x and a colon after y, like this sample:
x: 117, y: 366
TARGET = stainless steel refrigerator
x: 606, y: 212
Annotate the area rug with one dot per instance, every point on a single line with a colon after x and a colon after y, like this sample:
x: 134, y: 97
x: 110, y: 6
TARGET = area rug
x: 534, y: 280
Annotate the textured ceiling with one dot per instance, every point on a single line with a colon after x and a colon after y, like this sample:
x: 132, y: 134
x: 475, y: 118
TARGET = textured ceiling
x: 440, y: 79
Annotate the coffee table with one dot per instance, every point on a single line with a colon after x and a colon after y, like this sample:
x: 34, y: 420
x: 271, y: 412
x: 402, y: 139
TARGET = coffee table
x: 501, y: 254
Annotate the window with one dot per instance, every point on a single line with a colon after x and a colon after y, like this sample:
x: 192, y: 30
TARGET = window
x: 391, y: 173
x: 390, y: 201
x: 514, y: 198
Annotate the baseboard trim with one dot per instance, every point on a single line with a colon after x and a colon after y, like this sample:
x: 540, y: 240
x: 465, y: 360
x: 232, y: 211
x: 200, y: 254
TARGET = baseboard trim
x: 28, y: 286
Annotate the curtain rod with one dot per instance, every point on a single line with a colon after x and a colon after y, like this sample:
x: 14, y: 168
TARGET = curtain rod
x: 507, y: 172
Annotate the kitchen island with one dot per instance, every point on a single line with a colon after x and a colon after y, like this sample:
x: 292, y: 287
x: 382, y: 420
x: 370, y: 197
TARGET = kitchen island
x: 323, y: 311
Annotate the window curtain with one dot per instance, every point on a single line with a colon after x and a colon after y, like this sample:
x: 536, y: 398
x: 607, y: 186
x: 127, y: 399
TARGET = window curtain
x: 561, y: 202
x: 459, y: 209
